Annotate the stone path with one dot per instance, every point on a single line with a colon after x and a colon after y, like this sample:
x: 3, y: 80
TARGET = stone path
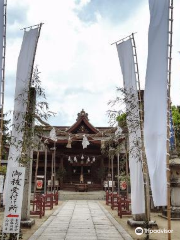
x: 80, y: 220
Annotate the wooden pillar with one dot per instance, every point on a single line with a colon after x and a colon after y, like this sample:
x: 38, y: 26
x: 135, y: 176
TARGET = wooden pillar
x: 36, y: 172
x: 102, y: 167
x: 52, y: 171
x: 109, y: 164
x: 118, y: 173
x: 112, y: 169
x: 54, y: 161
x: 61, y: 166
x: 45, y: 170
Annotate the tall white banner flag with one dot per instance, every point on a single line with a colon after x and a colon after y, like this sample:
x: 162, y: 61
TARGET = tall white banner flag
x: 125, y: 53
x: 155, y: 99
x: 23, y: 75
x: 1, y: 40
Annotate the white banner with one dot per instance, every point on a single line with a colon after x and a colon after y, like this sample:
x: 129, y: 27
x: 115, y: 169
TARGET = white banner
x: 12, y: 214
x: 125, y: 53
x: 1, y: 41
x: 155, y: 100
x: 52, y: 135
x: 23, y: 75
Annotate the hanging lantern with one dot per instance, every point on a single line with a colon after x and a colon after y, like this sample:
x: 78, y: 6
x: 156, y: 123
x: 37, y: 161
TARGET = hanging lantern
x: 94, y: 159
x: 75, y: 159
x: 82, y: 157
x: 69, y: 143
x: 69, y: 159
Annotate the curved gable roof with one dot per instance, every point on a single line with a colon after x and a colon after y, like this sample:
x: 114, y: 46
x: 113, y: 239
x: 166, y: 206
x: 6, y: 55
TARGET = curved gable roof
x: 82, y: 125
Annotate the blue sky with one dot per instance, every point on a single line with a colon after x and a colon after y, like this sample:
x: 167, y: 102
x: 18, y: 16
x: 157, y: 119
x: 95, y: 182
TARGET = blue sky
x: 114, y: 10
x: 79, y: 67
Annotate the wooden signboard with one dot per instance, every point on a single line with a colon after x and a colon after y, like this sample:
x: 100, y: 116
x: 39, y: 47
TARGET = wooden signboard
x: 12, y: 215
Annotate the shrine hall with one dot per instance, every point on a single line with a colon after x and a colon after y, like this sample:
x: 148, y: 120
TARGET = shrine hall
x: 75, y: 157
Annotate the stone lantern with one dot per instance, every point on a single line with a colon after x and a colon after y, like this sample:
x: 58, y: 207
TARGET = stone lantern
x: 174, y: 164
x: 175, y: 187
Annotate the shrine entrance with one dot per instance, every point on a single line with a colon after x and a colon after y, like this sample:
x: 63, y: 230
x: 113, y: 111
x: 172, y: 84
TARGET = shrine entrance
x: 82, y: 172
x: 68, y: 161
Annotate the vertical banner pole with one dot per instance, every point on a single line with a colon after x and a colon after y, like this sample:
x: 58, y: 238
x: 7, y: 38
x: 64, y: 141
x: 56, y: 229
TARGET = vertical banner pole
x: 3, y: 79
x: 127, y: 174
x: 144, y: 161
x: 168, y: 116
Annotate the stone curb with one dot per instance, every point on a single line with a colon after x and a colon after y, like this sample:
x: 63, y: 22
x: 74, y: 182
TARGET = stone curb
x: 41, y: 229
x: 120, y: 229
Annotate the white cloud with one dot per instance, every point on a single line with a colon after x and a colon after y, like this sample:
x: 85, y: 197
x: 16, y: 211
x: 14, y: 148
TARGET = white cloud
x: 75, y: 54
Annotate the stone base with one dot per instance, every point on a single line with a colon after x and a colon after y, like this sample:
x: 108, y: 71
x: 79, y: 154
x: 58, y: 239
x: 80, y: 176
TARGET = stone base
x: 27, y: 223
x: 175, y: 214
x: 2, y: 209
x: 133, y: 223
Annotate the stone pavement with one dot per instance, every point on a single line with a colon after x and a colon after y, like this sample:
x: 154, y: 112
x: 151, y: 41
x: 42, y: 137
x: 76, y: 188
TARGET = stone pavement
x: 81, y: 220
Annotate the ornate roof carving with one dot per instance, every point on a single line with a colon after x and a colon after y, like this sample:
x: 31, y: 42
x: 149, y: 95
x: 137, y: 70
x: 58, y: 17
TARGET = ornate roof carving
x: 82, y: 125
x: 82, y: 114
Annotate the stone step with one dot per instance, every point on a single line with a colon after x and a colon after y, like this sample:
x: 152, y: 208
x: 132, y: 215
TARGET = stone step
x: 91, y: 187
x: 68, y: 195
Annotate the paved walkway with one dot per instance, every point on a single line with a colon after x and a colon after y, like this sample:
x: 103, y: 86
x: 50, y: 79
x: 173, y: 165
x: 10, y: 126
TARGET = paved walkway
x: 80, y: 220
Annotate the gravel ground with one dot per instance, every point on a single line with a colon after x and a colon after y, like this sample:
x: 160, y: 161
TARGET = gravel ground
x: 162, y: 224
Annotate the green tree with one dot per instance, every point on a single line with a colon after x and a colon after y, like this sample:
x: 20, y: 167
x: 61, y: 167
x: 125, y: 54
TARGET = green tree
x: 121, y: 119
x: 5, y: 138
x: 176, y: 122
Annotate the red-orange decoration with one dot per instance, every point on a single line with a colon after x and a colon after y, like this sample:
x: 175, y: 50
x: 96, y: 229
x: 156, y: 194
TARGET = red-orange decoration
x: 39, y: 184
x: 123, y: 185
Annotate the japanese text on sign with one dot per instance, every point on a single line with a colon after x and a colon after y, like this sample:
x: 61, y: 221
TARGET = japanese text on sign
x: 12, y: 215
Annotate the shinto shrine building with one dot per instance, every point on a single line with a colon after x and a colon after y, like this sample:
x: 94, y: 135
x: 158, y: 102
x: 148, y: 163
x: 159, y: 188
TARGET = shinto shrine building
x: 69, y: 161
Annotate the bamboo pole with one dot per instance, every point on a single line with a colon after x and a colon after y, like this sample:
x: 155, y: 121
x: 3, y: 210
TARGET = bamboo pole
x: 25, y: 214
x: 32, y: 67
x: 168, y: 115
x: 122, y: 39
x: 3, y: 79
x: 127, y: 174
x: 144, y: 161
x: 33, y: 26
